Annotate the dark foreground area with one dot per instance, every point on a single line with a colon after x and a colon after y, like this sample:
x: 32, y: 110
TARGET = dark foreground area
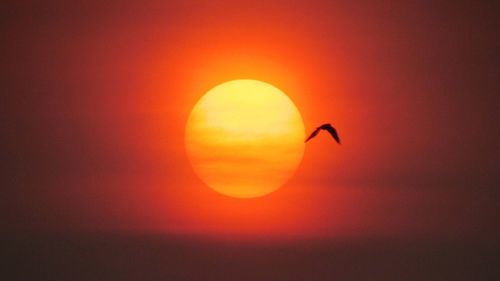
x: 154, y: 257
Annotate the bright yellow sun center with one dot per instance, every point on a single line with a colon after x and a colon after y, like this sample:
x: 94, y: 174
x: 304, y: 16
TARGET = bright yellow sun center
x: 245, y: 138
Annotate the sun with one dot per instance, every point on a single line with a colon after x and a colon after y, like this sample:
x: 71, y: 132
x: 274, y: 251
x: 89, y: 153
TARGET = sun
x: 245, y: 138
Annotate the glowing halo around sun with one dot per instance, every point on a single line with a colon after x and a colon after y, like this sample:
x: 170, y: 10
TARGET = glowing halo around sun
x: 245, y: 138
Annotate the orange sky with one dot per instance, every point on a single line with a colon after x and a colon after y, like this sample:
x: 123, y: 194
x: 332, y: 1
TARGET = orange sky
x: 100, y: 94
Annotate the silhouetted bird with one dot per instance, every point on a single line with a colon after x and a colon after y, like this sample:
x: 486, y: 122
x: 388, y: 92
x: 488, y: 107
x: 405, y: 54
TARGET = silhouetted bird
x: 330, y: 130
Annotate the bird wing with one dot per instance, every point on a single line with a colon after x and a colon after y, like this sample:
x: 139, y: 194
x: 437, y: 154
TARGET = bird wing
x: 313, y: 134
x: 334, y: 134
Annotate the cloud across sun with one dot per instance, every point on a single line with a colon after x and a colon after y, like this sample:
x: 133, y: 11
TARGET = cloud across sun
x: 245, y: 138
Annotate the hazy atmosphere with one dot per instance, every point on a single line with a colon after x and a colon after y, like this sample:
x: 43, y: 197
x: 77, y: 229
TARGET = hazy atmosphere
x: 97, y: 181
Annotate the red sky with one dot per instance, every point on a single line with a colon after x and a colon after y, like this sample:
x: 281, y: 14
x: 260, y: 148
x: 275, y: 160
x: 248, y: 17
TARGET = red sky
x: 96, y: 96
